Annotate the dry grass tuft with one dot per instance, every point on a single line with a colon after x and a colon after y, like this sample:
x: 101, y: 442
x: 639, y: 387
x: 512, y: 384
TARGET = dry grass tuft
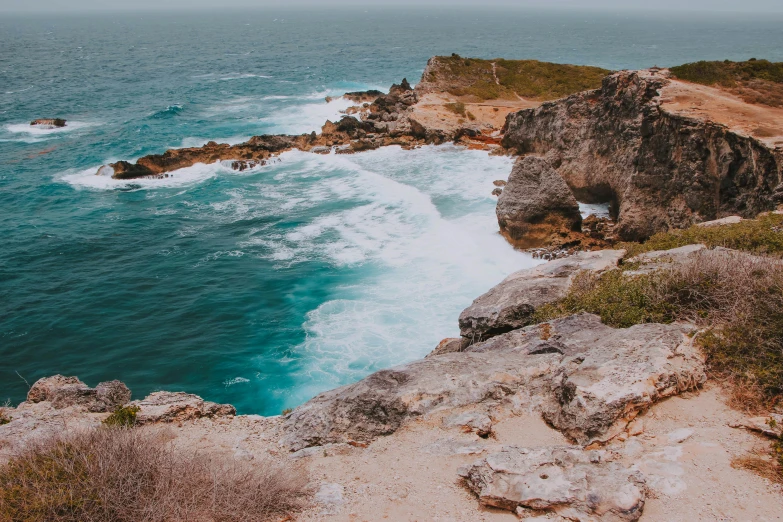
x: 123, y: 474
x: 761, y: 465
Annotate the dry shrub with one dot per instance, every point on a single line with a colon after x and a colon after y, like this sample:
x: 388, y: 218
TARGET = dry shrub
x: 736, y: 298
x: 759, y: 464
x: 124, y: 474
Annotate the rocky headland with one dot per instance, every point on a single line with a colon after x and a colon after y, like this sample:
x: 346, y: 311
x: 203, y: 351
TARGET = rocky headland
x: 579, y: 389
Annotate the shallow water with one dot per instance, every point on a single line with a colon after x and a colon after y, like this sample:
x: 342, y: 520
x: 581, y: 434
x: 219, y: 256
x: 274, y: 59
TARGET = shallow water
x: 265, y: 287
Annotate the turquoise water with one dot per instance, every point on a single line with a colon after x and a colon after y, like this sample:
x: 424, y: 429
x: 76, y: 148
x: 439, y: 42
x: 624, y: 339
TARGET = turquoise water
x: 265, y: 287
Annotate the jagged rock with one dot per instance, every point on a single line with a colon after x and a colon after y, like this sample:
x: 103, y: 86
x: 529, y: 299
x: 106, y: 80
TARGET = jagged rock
x: 48, y: 122
x: 619, y: 143
x: 63, y: 392
x: 500, y: 183
x: 512, y: 303
x: 450, y: 345
x: 478, y: 422
x: 536, y: 205
x: 588, y: 379
x: 497, y: 191
x: 178, y: 406
x: 562, y: 480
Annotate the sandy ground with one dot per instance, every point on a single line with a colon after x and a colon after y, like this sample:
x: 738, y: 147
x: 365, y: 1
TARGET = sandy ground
x: 702, y: 102
x: 685, y: 448
x: 491, y: 114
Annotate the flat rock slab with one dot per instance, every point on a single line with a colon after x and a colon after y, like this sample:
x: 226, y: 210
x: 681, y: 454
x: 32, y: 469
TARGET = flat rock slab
x: 512, y: 303
x: 562, y: 480
x: 588, y: 379
x: 178, y: 406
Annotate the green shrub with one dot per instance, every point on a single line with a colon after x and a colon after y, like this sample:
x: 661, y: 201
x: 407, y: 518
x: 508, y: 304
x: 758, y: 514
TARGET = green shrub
x: 457, y: 108
x: 755, y: 81
x: 763, y: 235
x: 122, y: 416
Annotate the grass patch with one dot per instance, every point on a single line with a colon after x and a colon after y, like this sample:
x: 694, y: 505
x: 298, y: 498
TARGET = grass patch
x: 737, y: 299
x: 755, y: 81
x: 508, y: 79
x: 457, y: 108
x: 122, y: 474
x: 122, y: 416
x: 763, y: 235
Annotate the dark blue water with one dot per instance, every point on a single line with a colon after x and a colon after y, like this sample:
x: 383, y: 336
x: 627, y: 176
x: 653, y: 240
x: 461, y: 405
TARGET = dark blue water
x: 261, y: 288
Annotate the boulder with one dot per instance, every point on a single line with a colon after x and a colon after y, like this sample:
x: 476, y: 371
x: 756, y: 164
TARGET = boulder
x: 512, y: 303
x: 588, y: 379
x: 450, y: 345
x: 536, y: 207
x: 166, y: 406
x: 64, y: 392
x: 561, y: 480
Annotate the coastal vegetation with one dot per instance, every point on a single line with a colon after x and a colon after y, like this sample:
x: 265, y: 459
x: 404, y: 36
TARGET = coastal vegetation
x: 509, y: 79
x: 122, y: 416
x: 755, y: 81
x: 763, y: 235
x: 128, y: 474
x: 736, y: 299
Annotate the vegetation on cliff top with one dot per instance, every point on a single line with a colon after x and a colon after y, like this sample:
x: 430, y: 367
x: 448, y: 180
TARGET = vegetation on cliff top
x: 763, y: 235
x: 755, y: 81
x: 507, y: 79
x: 736, y: 299
x: 127, y: 474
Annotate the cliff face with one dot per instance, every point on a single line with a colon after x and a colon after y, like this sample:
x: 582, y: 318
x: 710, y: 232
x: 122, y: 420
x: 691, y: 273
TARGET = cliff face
x: 661, y: 170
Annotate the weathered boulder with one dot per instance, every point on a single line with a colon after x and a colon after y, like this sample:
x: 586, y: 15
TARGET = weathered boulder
x: 165, y: 406
x: 450, y: 345
x: 562, y: 480
x: 588, y: 379
x: 512, y: 303
x: 63, y: 392
x: 536, y: 206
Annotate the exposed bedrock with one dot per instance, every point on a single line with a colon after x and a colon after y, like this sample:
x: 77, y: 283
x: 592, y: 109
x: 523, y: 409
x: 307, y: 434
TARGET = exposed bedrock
x: 536, y: 207
x: 512, y: 303
x: 661, y: 170
x: 588, y: 379
x: 48, y: 122
x: 559, y: 480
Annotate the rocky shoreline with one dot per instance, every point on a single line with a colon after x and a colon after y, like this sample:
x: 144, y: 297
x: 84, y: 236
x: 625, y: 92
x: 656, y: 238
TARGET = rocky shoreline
x: 568, y: 419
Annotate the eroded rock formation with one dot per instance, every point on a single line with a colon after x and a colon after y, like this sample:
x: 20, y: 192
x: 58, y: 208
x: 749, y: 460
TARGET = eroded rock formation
x: 660, y: 169
x: 536, y: 207
x: 48, y: 122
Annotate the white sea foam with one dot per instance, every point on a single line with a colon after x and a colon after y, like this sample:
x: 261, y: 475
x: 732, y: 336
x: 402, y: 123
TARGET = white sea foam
x: 422, y: 262
x: 599, y: 210
x: 308, y: 117
x: 26, y: 133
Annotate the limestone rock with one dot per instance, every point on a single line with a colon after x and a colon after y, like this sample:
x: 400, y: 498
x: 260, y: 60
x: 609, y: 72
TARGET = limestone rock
x: 536, y: 204
x: 63, y: 392
x: 511, y: 304
x: 771, y: 425
x: 620, y: 144
x: 562, y: 480
x: 588, y: 379
x: 449, y: 345
x: 165, y: 406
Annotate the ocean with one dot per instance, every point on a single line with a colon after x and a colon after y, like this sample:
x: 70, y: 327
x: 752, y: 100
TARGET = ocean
x: 266, y: 287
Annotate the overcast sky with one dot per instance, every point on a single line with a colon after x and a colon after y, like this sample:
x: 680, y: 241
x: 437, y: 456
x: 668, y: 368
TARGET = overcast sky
x: 748, y: 6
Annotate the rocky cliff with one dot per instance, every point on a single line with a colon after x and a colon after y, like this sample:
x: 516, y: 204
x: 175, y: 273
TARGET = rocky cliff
x: 660, y: 169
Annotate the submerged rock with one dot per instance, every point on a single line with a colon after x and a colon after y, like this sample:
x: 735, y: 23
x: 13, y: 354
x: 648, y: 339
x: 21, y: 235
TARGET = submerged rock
x: 562, y: 480
x: 48, y: 122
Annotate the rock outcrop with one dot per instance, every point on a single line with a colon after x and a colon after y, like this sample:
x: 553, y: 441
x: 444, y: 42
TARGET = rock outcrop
x: 64, y: 392
x: 512, y: 303
x: 48, y: 122
x: 661, y: 170
x: 177, y: 407
x: 536, y: 207
x: 565, y: 481
x: 588, y: 379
